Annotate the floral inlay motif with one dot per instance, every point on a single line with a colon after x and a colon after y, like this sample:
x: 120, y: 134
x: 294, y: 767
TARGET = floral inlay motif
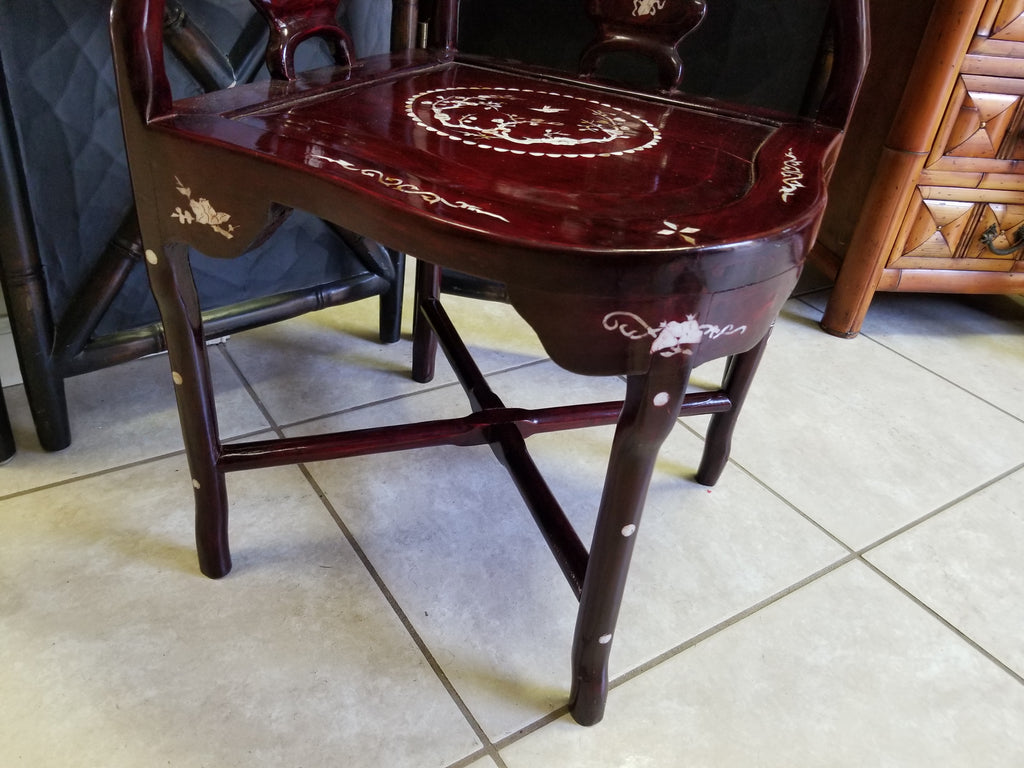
x: 647, y: 7
x: 792, y: 176
x: 523, y: 121
x: 400, y: 185
x: 684, y: 233
x: 201, y: 212
x: 670, y: 336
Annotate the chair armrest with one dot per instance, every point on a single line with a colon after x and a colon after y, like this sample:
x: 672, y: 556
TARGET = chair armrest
x: 850, y: 56
x: 137, y: 44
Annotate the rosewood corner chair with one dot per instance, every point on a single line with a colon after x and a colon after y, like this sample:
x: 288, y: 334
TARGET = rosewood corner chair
x: 640, y: 233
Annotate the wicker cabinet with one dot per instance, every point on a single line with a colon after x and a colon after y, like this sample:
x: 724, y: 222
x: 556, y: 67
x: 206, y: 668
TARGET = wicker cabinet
x: 929, y: 192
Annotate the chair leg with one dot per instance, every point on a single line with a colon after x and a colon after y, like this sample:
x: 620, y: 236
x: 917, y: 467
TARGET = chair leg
x: 42, y: 374
x: 44, y: 387
x: 648, y: 414
x: 171, y: 279
x: 7, y: 447
x: 424, y: 340
x: 391, y: 301
x: 739, y: 373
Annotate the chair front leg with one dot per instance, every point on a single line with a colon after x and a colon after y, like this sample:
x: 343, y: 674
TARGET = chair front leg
x: 648, y: 415
x: 170, y: 276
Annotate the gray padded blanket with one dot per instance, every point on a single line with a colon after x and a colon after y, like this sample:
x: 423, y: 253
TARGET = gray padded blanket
x: 56, y: 58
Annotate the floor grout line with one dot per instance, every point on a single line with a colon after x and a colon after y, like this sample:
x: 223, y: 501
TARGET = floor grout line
x: 493, y: 748
x: 424, y: 389
x: 731, y: 621
x: 939, y: 510
x: 875, y: 340
x: 403, y: 617
x: 488, y: 747
x: 92, y: 475
x: 945, y: 622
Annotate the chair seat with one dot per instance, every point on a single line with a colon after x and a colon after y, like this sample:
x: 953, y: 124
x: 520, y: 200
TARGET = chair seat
x: 561, y: 156
x: 642, y: 206
x: 571, y: 154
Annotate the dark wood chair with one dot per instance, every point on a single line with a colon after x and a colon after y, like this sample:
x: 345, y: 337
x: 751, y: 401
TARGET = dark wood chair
x: 639, y: 232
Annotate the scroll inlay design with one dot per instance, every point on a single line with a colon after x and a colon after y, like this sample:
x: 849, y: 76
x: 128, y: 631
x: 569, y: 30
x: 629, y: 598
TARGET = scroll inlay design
x: 670, y: 336
x: 647, y: 7
x: 792, y: 176
x: 400, y: 185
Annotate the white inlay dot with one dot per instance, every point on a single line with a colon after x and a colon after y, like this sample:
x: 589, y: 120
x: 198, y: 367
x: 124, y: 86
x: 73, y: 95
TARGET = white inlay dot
x: 661, y: 399
x: 195, y: 484
x: 629, y: 530
x: 176, y: 377
x: 151, y: 256
x: 604, y: 639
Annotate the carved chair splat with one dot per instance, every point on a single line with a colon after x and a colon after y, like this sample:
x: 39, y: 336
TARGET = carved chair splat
x: 653, y: 28
x: 640, y: 234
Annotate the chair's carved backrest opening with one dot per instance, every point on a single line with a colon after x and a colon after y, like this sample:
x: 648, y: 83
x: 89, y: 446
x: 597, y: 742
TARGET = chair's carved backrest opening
x: 293, y: 22
x: 651, y: 29
x: 776, y: 56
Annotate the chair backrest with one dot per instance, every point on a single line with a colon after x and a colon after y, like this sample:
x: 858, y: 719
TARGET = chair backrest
x: 292, y: 22
x: 653, y: 28
x: 650, y: 28
x: 825, y: 86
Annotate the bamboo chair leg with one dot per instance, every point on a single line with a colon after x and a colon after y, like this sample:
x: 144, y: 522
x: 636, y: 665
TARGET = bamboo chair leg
x: 171, y: 279
x: 648, y: 415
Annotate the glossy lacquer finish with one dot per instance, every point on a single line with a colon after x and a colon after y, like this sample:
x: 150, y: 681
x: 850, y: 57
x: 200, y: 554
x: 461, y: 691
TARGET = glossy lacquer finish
x: 639, y: 234
x: 645, y: 202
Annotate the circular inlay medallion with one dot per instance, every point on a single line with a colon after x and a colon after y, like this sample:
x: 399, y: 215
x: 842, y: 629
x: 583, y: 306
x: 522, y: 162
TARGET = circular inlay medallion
x: 530, y: 122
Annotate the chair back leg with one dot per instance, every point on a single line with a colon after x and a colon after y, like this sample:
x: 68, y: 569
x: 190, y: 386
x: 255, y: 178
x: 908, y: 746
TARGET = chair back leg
x: 739, y: 375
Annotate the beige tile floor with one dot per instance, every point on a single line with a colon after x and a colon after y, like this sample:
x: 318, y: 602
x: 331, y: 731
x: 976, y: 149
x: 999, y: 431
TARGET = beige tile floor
x: 850, y: 594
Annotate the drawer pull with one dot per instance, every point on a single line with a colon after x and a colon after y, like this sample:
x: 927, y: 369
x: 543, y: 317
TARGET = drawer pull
x: 992, y: 233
